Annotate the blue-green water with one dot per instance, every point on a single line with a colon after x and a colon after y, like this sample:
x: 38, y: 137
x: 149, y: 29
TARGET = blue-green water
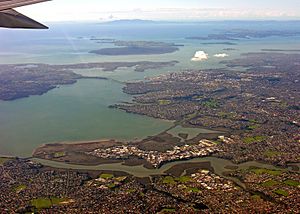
x: 71, y: 113
x: 80, y: 112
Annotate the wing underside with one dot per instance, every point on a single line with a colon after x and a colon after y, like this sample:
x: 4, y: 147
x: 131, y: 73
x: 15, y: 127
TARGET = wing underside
x: 10, y: 18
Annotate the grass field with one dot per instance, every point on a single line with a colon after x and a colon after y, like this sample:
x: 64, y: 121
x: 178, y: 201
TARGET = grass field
x: 281, y: 192
x: 260, y: 171
x: 292, y: 183
x: 193, y: 189
x: 169, y: 180
x: 254, y: 139
x: 252, y: 127
x: 45, y: 203
x: 183, y: 179
x: 59, y: 154
x: 270, y: 183
x: 211, y: 104
x: 41, y: 203
x: 168, y: 210
x: 106, y: 176
x: 164, y: 102
x: 20, y: 188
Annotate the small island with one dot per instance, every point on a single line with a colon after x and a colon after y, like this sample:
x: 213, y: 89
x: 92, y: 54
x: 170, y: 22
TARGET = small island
x: 136, y: 48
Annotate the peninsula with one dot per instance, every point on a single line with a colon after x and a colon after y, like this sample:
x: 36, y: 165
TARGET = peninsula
x: 23, y: 80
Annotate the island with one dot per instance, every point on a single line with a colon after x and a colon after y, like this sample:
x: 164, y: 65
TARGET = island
x: 136, y: 48
x: 218, y: 43
x: 130, y: 22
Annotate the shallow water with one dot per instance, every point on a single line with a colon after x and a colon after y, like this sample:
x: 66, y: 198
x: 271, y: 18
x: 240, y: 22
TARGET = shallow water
x: 139, y: 171
x: 191, y: 132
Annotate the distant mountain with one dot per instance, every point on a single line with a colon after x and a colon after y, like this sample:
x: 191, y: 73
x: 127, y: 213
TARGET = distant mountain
x: 130, y: 21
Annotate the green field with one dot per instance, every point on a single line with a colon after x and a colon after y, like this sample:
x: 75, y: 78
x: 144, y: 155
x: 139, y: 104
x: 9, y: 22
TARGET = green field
x: 59, y: 154
x: 260, y: 171
x: 131, y: 190
x: 168, y: 210
x: 169, y: 180
x: 183, y: 179
x: 45, y: 203
x: 281, y: 192
x: 41, y: 203
x: 20, y: 188
x: 292, y: 183
x: 254, y: 139
x: 270, y: 183
x: 252, y: 127
x: 193, y: 189
x: 106, y: 176
x: 164, y: 102
x: 211, y: 104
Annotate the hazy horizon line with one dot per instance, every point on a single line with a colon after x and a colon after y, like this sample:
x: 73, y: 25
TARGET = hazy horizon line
x: 178, y: 21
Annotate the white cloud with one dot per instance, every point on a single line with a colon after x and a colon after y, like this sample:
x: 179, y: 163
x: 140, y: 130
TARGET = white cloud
x: 200, y: 56
x: 221, y: 55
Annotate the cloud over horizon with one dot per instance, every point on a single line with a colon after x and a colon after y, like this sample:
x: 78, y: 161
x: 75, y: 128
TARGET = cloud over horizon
x: 203, y: 13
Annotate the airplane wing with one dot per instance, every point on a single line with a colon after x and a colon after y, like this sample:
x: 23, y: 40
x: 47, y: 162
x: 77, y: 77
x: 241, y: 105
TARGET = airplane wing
x: 10, y: 18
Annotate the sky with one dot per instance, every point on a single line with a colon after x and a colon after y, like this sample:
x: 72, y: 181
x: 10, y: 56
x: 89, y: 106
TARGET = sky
x: 105, y: 10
